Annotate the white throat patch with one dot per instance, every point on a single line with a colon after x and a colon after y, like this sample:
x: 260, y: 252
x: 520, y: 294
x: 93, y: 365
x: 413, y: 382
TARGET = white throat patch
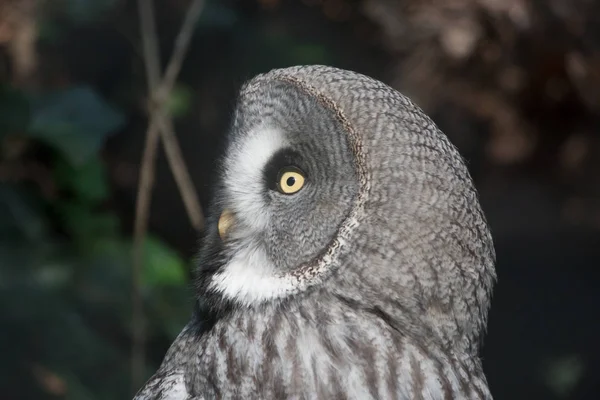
x: 250, y: 278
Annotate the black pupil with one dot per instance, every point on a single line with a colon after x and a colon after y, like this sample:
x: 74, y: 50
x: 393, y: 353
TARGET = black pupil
x: 290, y: 181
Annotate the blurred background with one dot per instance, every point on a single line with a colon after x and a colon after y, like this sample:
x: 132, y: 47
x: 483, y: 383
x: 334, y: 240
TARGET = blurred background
x: 515, y: 84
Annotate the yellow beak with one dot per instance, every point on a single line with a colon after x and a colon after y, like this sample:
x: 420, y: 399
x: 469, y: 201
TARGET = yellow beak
x: 225, y: 222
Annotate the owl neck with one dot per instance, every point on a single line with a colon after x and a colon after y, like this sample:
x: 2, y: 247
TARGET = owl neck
x: 331, y: 347
x: 407, y: 314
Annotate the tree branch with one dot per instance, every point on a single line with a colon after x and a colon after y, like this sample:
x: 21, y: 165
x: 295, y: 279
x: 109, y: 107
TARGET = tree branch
x: 160, y: 95
x: 182, y: 43
x: 180, y: 171
x: 160, y: 125
x: 146, y: 181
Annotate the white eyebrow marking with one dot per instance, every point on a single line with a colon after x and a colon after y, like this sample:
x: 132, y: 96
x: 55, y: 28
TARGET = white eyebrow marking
x: 244, y: 182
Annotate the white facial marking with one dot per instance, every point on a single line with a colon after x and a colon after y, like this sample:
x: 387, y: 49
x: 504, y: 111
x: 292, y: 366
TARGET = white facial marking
x: 250, y: 277
x: 244, y: 181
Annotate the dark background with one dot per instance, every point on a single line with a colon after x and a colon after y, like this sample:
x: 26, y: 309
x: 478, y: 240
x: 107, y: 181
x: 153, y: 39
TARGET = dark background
x: 514, y: 83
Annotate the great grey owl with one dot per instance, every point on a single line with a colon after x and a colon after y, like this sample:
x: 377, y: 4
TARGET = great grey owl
x: 346, y: 255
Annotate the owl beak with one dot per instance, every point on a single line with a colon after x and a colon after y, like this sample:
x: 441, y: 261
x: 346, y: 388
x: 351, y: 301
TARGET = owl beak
x: 225, y: 222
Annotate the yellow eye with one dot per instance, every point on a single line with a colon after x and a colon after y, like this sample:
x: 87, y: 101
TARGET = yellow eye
x: 290, y: 181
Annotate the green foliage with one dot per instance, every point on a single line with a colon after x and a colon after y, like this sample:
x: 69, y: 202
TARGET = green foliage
x: 75, y: 121
x: 162, y: 266
x: 179, y: 102
x: 88, y: 182
x: 65, y: 263
x: 65, y: 276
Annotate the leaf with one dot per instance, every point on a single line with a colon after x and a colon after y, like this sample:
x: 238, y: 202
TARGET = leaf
x: 74, y: 121
x: 162, y: 265
x: 84, y: 224
x: 179, y: 102
x: 88, y: 181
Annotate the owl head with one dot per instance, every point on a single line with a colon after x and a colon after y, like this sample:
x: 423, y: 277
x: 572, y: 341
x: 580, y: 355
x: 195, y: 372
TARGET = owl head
x: 333, y: 183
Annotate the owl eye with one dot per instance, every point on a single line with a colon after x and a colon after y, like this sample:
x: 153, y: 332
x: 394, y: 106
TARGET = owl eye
x: 290, y: 180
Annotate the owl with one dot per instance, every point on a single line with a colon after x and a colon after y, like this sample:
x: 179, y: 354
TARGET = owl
x: 346, y: 255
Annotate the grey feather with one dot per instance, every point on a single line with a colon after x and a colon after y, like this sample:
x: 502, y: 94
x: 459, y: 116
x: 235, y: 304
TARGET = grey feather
x: 372, y: 282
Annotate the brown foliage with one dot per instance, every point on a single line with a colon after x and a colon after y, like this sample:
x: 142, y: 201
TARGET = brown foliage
x: 530, y: 70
